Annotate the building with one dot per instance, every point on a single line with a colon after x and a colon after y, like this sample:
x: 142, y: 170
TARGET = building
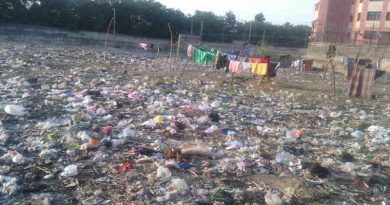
x: 333, y: 20
x: 371, y: 22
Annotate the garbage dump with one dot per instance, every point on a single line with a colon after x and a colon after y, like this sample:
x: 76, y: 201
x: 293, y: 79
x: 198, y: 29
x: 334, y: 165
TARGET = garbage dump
x: 76, y: 130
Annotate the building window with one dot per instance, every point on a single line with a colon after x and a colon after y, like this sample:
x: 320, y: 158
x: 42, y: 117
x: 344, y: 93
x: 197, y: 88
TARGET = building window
x: 373, y: 16
x: 358, y: 17
x: 317, y: 6
x: 388, y: 16
x: 369, y: 35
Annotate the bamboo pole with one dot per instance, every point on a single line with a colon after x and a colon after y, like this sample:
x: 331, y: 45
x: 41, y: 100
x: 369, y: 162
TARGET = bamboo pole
x: 182, y: 71
x: 106, y: 41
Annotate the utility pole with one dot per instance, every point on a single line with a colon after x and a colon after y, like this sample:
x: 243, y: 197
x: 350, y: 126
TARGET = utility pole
x: 192, y: 25
x: 201, y: 29
x: 263, y: 36
x: 114, y: 20
x: 250, y: 31
x: 306, y: 39
x: 223, y: 34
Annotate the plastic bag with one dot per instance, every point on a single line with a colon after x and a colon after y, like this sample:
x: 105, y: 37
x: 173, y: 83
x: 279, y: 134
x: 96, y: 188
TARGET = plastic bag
x: 163, y: 173
x: 70, y: 171
x: 179, y: 185
x: 272, y: 199
x: 15, y: 110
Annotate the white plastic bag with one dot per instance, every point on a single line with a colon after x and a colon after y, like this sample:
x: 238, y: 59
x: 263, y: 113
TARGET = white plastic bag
x: 15, y: 110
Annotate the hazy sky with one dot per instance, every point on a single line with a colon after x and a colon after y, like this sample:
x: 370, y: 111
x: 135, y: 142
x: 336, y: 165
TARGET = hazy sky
x: 275, y: 11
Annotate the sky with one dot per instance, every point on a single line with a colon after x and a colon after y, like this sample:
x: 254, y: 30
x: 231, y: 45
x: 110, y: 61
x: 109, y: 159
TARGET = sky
x: 275, y: 11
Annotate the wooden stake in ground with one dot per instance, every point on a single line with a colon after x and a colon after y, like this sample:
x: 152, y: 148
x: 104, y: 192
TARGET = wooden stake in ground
x: 105, y: 43
x: 332, y: 64
x: 170, y: 52
x: 381, y: 58
x: 178, y: 48
x: 158, y: 54
x: 182, y: 71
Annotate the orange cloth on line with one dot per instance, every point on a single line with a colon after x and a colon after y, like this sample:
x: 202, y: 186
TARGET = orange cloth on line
x: 260, y: 69
x: 258, y: 60
x: 235, y: 66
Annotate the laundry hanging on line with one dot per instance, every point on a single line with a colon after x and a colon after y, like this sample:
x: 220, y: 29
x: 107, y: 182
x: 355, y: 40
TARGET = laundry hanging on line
x: 260, y: 69
x: 231, y: 57
x: 246, y: 67
x: 235, y: 66
x: 146, y: 46
x: 256, y: 66
x: 221, y: 61
x: 258, y: 60
x: 190, y: 50
x: 203, y: 56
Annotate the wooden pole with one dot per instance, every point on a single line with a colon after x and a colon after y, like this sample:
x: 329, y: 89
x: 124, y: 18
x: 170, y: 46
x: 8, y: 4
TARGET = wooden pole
x: 158, y: 54
x: 381, y: 58
x: 231, y: 83
x: 326, y: 70
x: 334, y: 76
x: 170, y: 52
x: 178, y: 48
x: 182, y: 71
x: 106, y: 41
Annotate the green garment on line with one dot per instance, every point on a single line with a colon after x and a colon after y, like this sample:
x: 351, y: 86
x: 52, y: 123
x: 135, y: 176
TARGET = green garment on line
x: 209, y: 49
x: 203, y: 57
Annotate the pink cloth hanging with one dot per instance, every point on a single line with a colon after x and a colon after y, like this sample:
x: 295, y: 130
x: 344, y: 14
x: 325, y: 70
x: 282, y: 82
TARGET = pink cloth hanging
x: 235, y: 66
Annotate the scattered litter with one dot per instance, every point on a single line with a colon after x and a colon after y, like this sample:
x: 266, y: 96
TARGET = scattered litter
x: 77, y: 130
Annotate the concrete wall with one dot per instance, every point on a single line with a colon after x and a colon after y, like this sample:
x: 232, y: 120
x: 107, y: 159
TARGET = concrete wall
x: 59, y: 36
x: 317, y: 52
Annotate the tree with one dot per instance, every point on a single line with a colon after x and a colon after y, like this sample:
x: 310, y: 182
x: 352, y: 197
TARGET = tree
x: 288, y: 25
x: 147, y: 18
x: 212, y: 25
x: 230, y: 22
x: 259, y: 18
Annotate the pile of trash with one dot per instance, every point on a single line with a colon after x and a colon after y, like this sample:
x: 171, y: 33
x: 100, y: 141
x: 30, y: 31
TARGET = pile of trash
x: 75, y: 130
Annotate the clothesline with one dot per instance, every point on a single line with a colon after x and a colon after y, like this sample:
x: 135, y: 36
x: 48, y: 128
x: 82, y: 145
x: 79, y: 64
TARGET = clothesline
x: 230, y: 62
